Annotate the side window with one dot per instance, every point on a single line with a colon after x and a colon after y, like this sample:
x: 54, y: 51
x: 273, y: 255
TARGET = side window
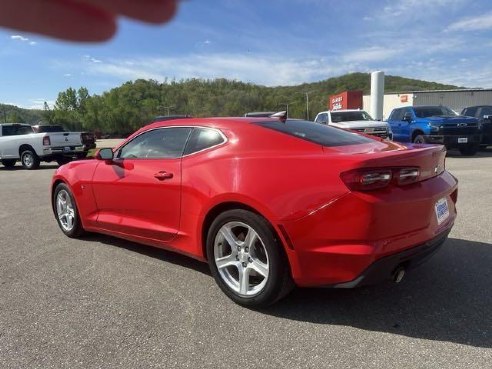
x: 407, y: 111
x: 470, y: 112
x: 8, y: 130
x: 396, y: 115
x: 201, y: 139
x: 23, y: 130
x: 162, y: 143
x: 322, y: 118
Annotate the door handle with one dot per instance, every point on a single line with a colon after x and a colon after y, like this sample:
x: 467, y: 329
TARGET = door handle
x: 163, y: 175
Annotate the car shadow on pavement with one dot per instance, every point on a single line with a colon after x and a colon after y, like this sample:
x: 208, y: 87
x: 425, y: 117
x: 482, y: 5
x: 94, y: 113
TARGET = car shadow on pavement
x: 18, y: 167
x: 153, y: 252
x: 449, y: 298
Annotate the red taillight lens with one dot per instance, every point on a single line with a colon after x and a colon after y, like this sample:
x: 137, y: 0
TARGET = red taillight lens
x: 46, y: 141
x: 408, y: 175
x: 367, y: 180
x: 373, y: 179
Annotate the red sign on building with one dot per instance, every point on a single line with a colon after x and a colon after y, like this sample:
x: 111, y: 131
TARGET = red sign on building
x: 345, y: 100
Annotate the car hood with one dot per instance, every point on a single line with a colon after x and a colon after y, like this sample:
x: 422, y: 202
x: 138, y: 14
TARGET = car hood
x: 355, y: 124
x: 450, y: 119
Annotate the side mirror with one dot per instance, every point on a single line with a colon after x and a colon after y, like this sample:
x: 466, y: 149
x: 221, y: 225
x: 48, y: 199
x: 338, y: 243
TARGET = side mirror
x: 105, y: 154
x: 407, y: 117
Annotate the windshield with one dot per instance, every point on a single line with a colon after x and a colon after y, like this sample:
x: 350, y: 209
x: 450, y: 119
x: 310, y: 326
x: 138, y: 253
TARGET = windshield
x: 433, y: 111
x: 317, y: 133
x: 348, y: 116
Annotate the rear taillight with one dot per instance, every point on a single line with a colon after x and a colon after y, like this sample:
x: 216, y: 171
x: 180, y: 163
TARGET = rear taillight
x: 407, y: 175
x: 367, y: 180
x: 46, y: 141
x: 373, y: 179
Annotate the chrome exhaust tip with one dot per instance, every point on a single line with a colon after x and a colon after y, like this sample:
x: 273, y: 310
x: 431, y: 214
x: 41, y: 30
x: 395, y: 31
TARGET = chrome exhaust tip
x: 398, y: 274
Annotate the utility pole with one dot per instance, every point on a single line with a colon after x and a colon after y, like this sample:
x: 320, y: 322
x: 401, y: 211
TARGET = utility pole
x: 307, y: 103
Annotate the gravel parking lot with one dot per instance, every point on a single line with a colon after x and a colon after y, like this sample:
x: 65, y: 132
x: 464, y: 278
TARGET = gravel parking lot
x: 101, y: 302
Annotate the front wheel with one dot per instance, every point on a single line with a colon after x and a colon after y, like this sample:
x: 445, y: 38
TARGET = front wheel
x: 29, y: 159
x: 419, y: 139
x: 66, y: 211
x: 246, y: 260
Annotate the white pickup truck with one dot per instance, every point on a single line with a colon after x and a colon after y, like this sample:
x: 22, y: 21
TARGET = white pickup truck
x: 19, y: 142
x: 355, y: 120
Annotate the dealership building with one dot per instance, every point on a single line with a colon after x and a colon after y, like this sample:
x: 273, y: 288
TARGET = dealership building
x: 455, y: 99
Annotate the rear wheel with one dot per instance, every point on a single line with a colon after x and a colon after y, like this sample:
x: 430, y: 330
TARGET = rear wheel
x: 66, y: 211
x: 469, y: 150
x: 246, y: 260
x: 9, y: 163
x: 29, y: 159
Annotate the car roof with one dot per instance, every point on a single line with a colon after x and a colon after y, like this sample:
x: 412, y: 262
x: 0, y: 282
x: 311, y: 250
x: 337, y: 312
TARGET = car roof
x: 15, y: 124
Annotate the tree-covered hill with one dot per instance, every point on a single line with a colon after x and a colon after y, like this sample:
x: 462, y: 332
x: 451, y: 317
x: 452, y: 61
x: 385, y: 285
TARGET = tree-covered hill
x: 14, y: 114
x: 126, y: 108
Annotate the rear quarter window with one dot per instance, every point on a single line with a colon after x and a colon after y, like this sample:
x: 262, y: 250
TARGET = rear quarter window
x: 316, y: 133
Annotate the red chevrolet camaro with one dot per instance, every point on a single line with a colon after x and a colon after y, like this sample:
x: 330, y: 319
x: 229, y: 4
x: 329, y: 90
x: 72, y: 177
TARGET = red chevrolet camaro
x: 268, y: 203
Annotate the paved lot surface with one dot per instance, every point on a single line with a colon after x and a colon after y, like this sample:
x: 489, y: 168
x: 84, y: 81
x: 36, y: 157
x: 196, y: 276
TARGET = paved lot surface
x: 105, y: 303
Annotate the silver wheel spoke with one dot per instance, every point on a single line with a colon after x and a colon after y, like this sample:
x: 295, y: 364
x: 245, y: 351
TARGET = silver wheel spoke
x: 243, y: 281
x: 250, y: 238
x: 227, y: 261
x: 259, y: 267
x: 228, y: 236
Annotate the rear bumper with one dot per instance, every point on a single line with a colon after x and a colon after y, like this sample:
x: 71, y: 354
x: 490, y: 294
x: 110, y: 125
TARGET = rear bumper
x: 338, y: 243
x: 385, y: 268
x: 53, y: 153
x: 453, y: 141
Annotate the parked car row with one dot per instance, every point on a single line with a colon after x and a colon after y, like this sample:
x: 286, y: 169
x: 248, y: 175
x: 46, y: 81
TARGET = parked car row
x: 421, y: 124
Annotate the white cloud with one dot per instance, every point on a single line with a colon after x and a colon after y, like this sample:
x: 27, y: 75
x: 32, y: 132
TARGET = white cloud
x: 371, y: 54
x: 91, y: 59
x: 19, y: 38
x: 481, y: 22
x: 265, y: 70
x: 417, y: 8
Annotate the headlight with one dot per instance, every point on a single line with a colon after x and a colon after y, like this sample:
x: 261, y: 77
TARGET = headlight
x: 433, y: 128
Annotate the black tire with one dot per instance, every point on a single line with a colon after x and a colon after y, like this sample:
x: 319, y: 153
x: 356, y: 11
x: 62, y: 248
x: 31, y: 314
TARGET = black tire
x: 29, y: 159
x: 469, y: 150
x: 69, y: 224
x: 278, y: 282
x: 419, y: 139
x: 9, y: 163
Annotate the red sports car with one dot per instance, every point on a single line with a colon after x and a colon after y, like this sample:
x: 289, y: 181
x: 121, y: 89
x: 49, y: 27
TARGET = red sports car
x: 269, y: 204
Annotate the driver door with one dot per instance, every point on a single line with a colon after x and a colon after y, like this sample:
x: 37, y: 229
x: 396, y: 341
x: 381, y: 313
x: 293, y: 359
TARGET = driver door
x: 139, y: 192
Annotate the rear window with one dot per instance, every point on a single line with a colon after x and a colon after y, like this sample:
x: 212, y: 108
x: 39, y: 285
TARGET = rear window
x: 317, y: 133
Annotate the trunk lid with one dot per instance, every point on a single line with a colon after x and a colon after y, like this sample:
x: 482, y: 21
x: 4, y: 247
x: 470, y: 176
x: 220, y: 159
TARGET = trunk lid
x: 429, y: 159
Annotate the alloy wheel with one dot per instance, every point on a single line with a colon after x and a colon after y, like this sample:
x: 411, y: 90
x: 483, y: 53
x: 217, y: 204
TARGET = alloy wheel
x: 241, y: 258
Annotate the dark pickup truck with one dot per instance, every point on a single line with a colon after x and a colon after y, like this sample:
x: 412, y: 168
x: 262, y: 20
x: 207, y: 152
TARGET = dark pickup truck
x: 484, y: 115
x: 436, y: 125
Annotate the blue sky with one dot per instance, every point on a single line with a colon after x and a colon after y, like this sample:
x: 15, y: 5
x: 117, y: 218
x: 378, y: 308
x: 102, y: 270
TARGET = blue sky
x: 274, y: 42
